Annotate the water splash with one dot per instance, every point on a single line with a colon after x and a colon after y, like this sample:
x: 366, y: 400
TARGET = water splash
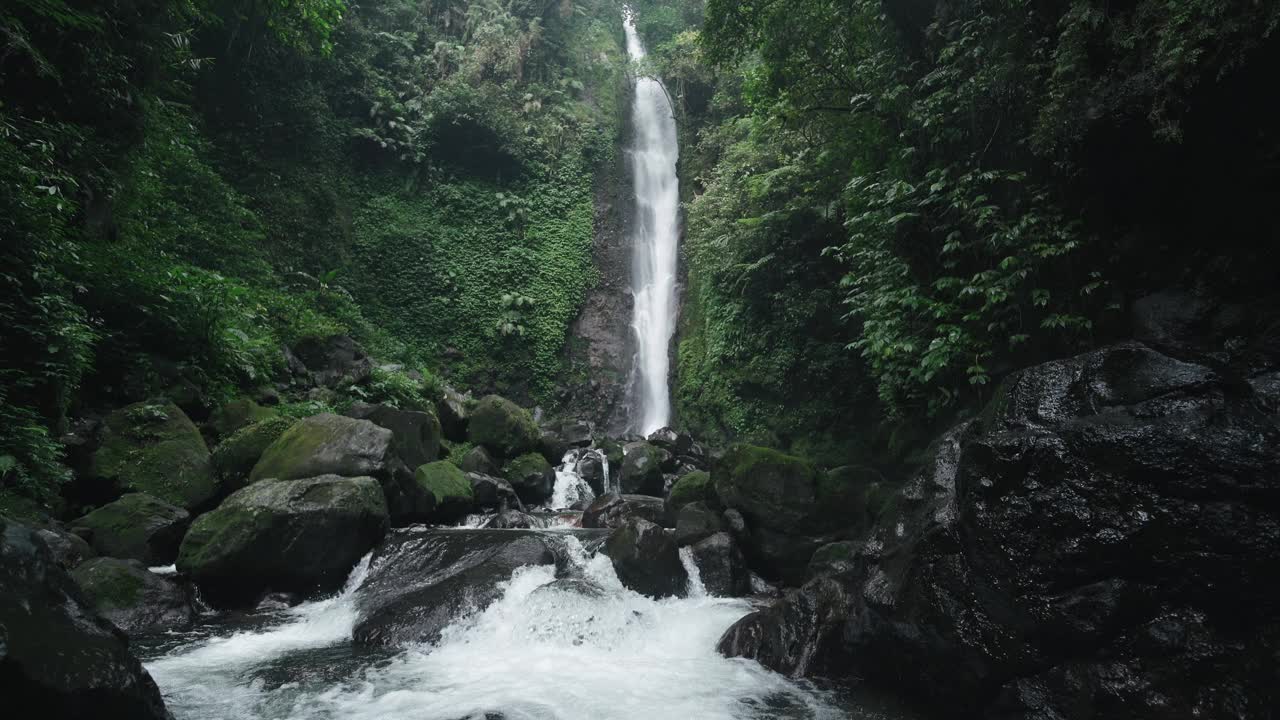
x: 655, y: 238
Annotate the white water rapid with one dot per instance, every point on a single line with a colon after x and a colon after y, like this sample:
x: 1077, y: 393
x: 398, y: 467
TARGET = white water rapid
x: 655, y: 238
x: 541, y: 651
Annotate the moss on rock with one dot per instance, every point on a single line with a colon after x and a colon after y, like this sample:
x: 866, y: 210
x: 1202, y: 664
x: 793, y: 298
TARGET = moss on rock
x: 235, y: 457
x: 449, y: 486
x: 238, y: 414
x: 694, y: 487
x: 531, y: 476
x: 769, y: 487
x: 503, y: 427
x: 297, y: 535
x: 139, y: 527
x: 326, y: 444
x: 154, y: 448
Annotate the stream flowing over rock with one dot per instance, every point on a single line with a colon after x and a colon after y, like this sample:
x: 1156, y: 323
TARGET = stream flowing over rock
x: 421, y: 581
x: 1099, y: 543
x: 58, y: 658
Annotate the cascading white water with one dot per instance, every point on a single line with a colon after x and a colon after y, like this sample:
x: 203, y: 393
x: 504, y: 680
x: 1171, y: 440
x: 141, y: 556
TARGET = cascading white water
x: 542, y: 651
x: 655, y: 237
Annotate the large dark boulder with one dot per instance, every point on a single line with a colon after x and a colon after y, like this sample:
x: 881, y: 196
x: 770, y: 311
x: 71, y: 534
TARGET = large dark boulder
x: 132, y: 597
x: 416, y: 433
x: 154, y: 448
x: 695, y: 522
x: 284, y: 535
x: 421, y: 581
x: 797, y: 635
x: 138, y: 527
x: 721, y: 566
x: 67, y: 549
x: 493, y: 493
x: 641, y: 471
x: 332, y: 361
x: 647, y: 559
x: 613, y: 511
x: 335, y: 445
x: 453, y: 409
x: 790, y: 507
x: 591, y: 469
x: 450, y: 490
x: 504, y: 428
x: 58, y: 658
x: 478, y: 460
x: 1100, y: 542
x: 694, y: 487
x: 532, y: 477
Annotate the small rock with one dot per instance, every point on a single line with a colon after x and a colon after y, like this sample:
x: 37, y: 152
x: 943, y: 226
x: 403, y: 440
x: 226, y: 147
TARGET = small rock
x: 137, y: 600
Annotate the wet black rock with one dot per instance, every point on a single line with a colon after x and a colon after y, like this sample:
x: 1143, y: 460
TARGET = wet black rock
x: 58, y: 658
x: 1101, y: 542
x: 478, y: 460
x: 416, y: 435
x: 511, y: 520
x: 67, y: 548
x: 492, y: 493
x: 721, y: 566
x: 695, y: 522
x: 613, y: 510
x: 591, y: 470
x: 647, y: 559
x: 332, y: 361
x: 453, y: 409
x: 423, y: 580
x: 132, y: 597
x: 832, y: 559
x: 798, y: 635
x: 641, y: 471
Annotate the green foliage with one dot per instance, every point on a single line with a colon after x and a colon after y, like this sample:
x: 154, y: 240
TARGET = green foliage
x: 946, y: 147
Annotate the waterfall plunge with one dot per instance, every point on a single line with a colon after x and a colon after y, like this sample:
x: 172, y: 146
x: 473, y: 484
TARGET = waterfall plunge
x: 655, y: 237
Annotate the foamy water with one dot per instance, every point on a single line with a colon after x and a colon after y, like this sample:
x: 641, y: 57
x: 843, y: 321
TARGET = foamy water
x: 540, y: 651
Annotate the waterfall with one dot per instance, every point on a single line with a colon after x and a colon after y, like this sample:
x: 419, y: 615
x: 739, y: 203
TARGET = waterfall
x: 655, y: 237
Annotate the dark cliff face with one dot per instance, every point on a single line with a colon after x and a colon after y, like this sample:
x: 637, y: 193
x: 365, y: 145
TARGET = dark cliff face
x: 601, y: 346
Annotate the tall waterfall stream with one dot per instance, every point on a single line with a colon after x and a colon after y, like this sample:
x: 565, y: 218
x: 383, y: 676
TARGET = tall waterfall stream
x: 538, y: 651
x: 655, y: 237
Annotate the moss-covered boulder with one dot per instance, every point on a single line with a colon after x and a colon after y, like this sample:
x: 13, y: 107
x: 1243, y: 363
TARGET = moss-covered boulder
x: 137, y: 527
x: 237, y: 414
x: 154, y: 448
x: 694, y: 487
x: 67, y: 548
x: 641, y: 472
x: 768, y: 487
x: 449, y: 487
x: 504, y: 428
x: 335, y: 445
x: 417, y: 433
x: 292, y: 536
x: 789, y: 505
x: 135, y: 599
x: 235, y: 457
x: 832, y: 559
x: 59, y: 658
x: 532, y: 477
